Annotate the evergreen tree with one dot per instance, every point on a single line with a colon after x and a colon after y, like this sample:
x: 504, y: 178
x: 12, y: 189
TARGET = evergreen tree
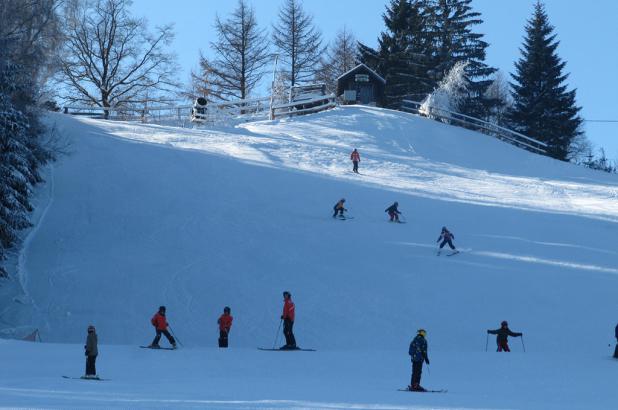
x: 543, y: 108
x: 340, y: 57
x: 241, y: 53
x: 298, y: 42
x: 403, y: 50
x: 453, y: 40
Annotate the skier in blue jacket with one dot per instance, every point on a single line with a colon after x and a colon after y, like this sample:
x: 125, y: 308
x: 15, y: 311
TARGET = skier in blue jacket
x: 418, y: 353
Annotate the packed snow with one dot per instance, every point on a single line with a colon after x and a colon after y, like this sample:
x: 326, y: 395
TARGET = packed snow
x: 137, y: 216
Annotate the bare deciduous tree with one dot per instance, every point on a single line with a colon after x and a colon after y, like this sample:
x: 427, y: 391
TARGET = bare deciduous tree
x: 111, y: 60
x: 298, y: 41
x: 340, y: 57
x: 241, y: 54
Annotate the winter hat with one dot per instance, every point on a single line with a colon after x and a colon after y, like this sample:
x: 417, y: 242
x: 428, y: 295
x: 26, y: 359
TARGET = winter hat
x: 161, y: 308
x: 227, y: 309
x: 504, y: 323
x: 287, y: 293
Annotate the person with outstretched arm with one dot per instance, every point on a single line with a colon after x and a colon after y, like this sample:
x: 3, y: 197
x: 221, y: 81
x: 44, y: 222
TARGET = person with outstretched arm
x: 418, y: 354
x: 92, y: 351
x: 159, y: 321
x: 225, y: 324
x: 446, y: 237
x: 393, y: 212
x: 289, y: 313
x: 339, y: 208
x: 355, y: 157
x: 502, y: 338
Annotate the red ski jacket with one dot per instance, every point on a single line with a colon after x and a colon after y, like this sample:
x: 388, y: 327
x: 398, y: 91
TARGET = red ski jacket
x: 159, y: 321
x: 225, y: 322
x: 288, y: 310
x: 355, y: 156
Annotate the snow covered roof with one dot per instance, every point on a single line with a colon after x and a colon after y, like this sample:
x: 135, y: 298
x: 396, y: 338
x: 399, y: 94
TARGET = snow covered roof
x: 361, y: 65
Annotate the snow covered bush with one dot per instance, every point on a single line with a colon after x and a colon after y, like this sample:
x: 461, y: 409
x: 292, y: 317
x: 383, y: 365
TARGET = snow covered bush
x: 450, y: 93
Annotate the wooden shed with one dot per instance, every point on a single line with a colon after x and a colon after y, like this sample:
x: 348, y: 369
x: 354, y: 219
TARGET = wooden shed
x: 361, y: 85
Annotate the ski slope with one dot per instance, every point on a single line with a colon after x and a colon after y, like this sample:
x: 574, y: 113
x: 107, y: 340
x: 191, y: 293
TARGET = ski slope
x: 142, y: 215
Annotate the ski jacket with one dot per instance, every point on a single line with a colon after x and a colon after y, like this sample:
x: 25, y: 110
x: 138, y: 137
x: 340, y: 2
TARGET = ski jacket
x: 159, y: 321
x: 392, y: 209
x: 225, y: 322
x: 288, y: 310
x: 91, y: 345
x: 503, y: 334
x: 339, y: 205
x: 355, y: 156
x: 446, y: 235
x: 418, y: 349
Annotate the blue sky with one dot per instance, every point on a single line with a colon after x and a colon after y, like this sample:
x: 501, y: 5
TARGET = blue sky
x: 587, y: 32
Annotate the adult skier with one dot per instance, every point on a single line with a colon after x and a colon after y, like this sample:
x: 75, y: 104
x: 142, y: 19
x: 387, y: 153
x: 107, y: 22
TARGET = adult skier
x: 225, y: 324
x: 355, y: 157
x: 288, y: 322
x: 502, y: 338
x: 393, y: 212
x: 91, y: 351
x: 159, y: 321
x: 447, y: 238
x: 339, y: 208
x: 418, y: 354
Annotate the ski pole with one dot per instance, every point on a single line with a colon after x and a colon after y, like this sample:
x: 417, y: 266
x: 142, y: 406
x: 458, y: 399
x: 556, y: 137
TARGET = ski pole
x: 486, y: 341
x: 522, y: 343
x: 175, y: 337
x: 277, y: 334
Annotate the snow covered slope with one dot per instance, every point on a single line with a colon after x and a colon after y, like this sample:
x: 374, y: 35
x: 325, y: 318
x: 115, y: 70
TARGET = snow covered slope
x: 143, y: 215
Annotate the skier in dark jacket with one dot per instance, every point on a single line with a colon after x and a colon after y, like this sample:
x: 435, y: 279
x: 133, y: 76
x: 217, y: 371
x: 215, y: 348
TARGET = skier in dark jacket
x: 339, y: 208
x: 418, y: 353
x: 92, y: 351
x: 447, y: 238
x: 225, y: 325
x: 393, y: 212
x: 159, y: 321
x: 503, y: 334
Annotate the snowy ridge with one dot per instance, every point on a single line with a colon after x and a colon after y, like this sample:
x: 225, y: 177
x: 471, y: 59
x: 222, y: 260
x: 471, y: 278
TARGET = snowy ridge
x: 145, y: 215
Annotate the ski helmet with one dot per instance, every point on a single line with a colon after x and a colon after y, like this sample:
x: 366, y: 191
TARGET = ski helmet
x: 504, y: 323
x: 91, y: 328
x: 161, y: 308
x: 227, y: 309
x: 396, y: 203
x: 342, y: 199
x: 286, y: 293
x: 422, y: 332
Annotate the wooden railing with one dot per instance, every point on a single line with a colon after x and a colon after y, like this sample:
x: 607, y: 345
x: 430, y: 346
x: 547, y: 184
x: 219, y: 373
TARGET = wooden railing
x: 475, y: 124
x: 308, y: 106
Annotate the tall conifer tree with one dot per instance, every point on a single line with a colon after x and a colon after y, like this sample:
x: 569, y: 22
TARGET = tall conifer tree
x: 543, y: 108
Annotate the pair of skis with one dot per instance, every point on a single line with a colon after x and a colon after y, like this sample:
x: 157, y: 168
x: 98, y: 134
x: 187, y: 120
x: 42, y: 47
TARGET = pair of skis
x: 423, y: 391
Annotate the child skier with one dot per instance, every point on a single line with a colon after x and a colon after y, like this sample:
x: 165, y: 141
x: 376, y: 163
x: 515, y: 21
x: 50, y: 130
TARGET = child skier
x: 355, y: 157
x: 418, y: 354
x: 393, y: 212
x: 503, y: 334
x: 447, y: 238
x: 159, y: 321
x: 225, y: 324
x: 288, y: 322
x: 91, y: 351
x: 339, y: 208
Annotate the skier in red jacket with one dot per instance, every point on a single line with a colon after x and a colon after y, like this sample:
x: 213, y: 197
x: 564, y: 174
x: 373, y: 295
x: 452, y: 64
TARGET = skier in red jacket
x: 159, y: 321
x: 288, y: 322
x: 225, y: 324
x: 355, y: 157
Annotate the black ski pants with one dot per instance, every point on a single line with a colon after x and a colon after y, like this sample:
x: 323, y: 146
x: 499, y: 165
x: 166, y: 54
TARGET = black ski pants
x: 450, y: 244
x: 338, y: 211
x: 290, y: 340
x: 91, y: 369
x: 223, y: 338
x: 167, y: 334
x: 355, y: 166
x: 417, y: 369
